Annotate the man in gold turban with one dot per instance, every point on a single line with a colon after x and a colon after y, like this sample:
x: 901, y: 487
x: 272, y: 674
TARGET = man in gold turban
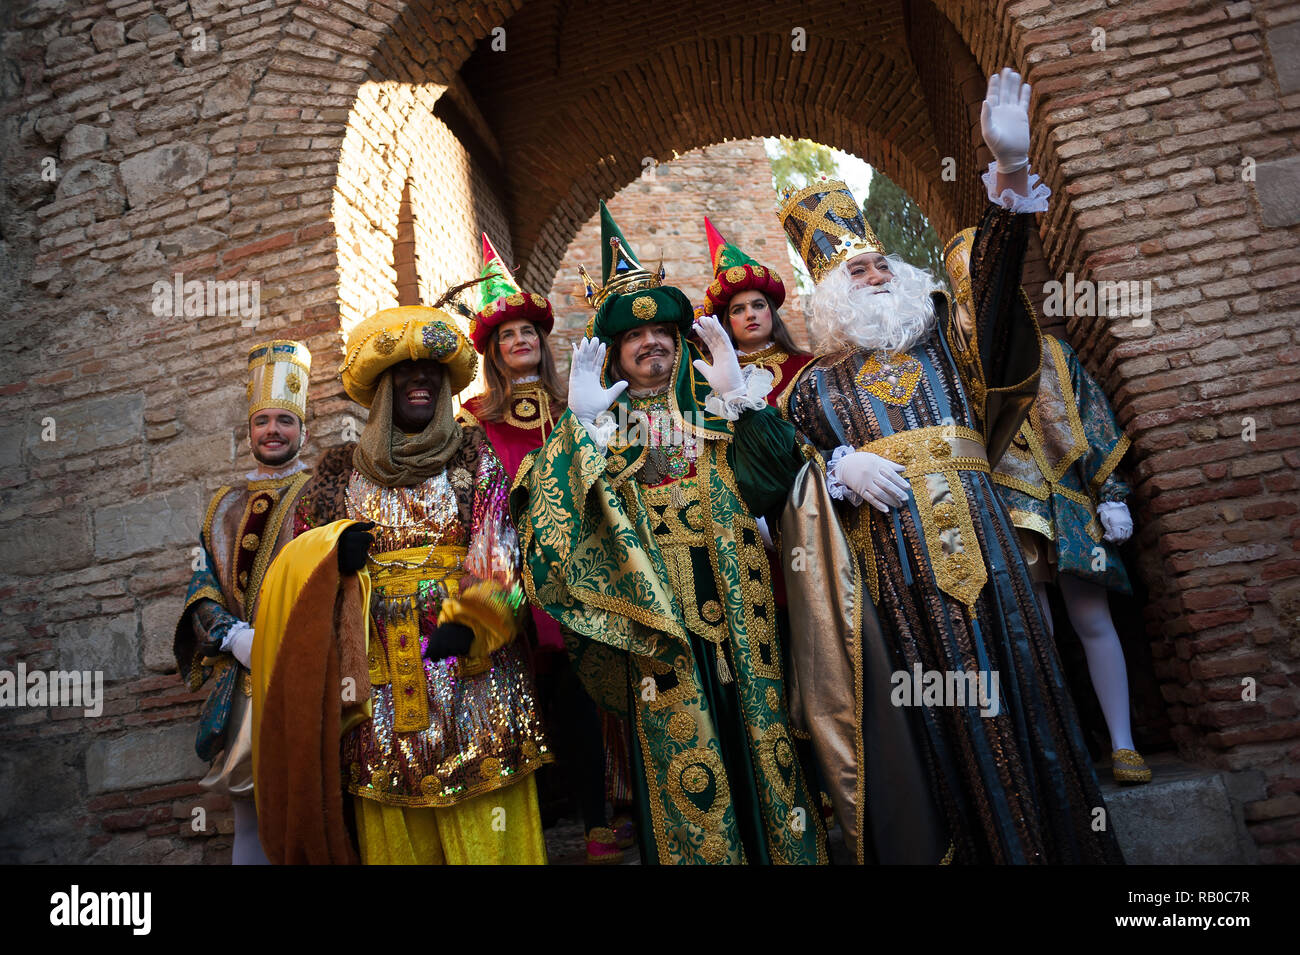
x: 440, y: 743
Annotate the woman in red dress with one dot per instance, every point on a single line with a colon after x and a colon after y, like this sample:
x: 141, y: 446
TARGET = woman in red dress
x: 746, y: 296
x: 523, y: 400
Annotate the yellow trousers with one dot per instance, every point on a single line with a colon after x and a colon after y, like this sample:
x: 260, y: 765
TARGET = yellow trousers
x: 502, y: 827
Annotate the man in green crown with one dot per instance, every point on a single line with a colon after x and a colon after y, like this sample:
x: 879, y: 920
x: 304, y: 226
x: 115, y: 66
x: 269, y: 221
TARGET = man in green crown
x: 641, y: 538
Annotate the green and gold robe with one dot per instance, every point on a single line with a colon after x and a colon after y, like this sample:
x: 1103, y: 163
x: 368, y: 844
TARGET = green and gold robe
x: 653, y: 559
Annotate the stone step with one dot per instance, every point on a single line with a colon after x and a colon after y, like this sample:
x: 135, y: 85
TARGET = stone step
x: 1186, y: 815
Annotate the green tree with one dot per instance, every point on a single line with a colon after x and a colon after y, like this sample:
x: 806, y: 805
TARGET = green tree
x: 900, y: 226
x: 797, y: 162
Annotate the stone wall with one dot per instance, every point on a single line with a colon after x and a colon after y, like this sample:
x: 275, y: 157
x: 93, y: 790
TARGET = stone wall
x: 662, y: 214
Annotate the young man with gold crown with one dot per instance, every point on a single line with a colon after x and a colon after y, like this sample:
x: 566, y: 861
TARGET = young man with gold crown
x: 1058, y: 481
x: 639, y: 535
x: 244, y: 527
x: 524, y: 399
x: 926, y: 674
x: 440, y: 737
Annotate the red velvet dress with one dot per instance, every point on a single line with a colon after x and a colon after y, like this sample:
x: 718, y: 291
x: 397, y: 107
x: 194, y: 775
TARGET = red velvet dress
x: 528, y: 421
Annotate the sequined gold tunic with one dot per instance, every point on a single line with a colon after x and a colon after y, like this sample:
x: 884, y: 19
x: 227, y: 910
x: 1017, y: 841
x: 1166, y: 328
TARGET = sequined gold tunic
x: 439, y: 734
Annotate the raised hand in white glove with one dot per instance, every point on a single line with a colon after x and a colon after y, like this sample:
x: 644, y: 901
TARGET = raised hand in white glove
x: 587, y: 398
x: 239, y: 641
x: 1004, y: 121
x: 875, y: 479
x: 723, y: 375
x: 1115, y: 520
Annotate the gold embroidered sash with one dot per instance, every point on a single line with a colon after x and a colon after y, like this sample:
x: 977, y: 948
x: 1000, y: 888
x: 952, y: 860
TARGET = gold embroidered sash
x: 931, y: 457
x: 396, y: 577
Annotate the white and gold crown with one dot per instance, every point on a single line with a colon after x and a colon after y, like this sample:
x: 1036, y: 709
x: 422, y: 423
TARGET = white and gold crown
x: 277, y: 377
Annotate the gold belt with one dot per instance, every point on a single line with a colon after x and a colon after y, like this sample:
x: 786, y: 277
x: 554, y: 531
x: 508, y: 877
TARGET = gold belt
x: 930, y: 457
x: 398, y: 574
x: 934, y: 449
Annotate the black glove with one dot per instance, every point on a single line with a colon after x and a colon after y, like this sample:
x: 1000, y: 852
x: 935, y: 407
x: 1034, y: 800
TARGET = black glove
x: 449, y: 640
x: 354, y: 545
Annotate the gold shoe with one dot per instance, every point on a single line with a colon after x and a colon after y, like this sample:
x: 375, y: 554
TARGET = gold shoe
x: 602, y: 847
x: 1128, y: 766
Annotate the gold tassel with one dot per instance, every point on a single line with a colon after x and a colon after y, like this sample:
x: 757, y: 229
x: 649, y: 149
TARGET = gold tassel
x: 677, y: 496
x: 724, y: 673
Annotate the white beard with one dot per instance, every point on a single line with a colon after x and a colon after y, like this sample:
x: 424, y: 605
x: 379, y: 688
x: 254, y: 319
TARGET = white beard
x: 893, y: 320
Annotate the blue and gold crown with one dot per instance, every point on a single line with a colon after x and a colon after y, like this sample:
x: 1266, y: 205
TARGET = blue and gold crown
x: 825, y: 223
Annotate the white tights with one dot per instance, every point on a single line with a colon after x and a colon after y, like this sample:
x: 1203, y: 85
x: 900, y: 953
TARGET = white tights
x: 248, y: 847
x: 1089, y: 612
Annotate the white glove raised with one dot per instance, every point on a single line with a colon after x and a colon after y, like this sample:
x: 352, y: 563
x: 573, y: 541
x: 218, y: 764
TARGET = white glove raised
x: 872, y: 478
x: 587, y: 398
x: 239, y: 641
x: 723, y: 375
x: 1004, y: 120
x: 1115, y: 520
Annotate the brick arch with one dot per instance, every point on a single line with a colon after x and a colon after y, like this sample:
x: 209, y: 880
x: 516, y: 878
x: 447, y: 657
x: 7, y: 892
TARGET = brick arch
x: 579, y: 136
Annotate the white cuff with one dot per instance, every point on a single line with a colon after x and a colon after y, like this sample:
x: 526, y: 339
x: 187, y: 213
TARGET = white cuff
x: 765, y: 534
x: 239, y: 641
x: 841, y: 492
x: 1036, y: 201
x: 1116, y: 520
x: 751, y: 396
x: 602, y: 429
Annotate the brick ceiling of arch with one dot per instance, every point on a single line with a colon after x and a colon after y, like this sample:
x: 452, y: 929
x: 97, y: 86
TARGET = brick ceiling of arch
x: 584, y: 92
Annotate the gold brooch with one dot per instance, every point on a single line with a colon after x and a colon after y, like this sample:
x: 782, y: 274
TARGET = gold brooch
x: 711, y: 611
x: 386, y: 342
x: 250, y: 541
x: 938, y: 447
x: 714, y: 848
x: 890, y: 378
x: 945, y: 515
x: 293, y: 383
x: 681, y: 726
x: 537, y: 300
x: 516, y: 299
x: 490, y: 768
x: 736, y: 273
x: 695, y: 779
x: 260, y: 505
x: 644, y: 307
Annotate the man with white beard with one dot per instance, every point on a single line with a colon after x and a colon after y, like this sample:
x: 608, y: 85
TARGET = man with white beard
x: 907, y: 406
